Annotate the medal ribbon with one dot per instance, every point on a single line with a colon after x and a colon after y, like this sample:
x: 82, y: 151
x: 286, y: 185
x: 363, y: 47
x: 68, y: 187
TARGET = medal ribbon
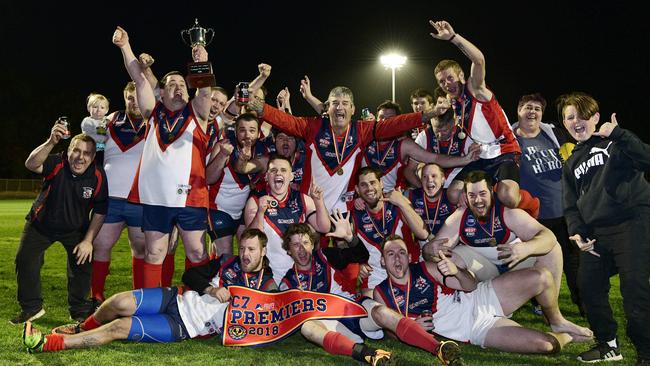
x: 381, y: 162
x: 259, y: 279
x: 339, y: 157
x: 491, y: 233
x: 426, y: 209
x: 311, y: 276
x: 408, y: 297
x: 383, y: 221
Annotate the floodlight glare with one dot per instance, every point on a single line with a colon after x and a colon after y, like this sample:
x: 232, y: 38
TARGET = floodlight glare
x: 392, y: 60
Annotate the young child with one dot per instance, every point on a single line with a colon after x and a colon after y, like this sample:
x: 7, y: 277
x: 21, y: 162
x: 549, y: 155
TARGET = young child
x: 95, y: 124
x: 607, y: 208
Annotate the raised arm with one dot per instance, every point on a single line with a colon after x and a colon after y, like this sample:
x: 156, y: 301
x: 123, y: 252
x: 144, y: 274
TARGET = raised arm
x: 254, y: 212
x: 447, y: 273
x: 636, y: 151
x: 202, y: 101
x: 305, y: 90
x: 146, y: 98
x: 218, y: 160
x: 317, y: 214
x: 37, y: 157
x: 413, y: 220
x: 146, y: 61
x: 476, y: 80
x: 283, y: 100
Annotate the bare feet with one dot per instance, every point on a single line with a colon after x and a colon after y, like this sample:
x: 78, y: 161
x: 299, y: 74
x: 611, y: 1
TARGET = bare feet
x: 578, y: 333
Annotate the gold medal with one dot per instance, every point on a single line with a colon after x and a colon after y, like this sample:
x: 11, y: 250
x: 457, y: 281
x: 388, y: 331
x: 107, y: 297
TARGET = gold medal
x: 340, y: 171
x: 493, y: 242
x: 462, y: 135
x: 170, y: 136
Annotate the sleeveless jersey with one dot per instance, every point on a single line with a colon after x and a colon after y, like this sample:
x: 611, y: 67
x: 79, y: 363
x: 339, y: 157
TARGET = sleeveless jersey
x: 319, y: 279
x: 373, y: 228
x: 387, y: 158
x: 428, y: 141
x: 291, y: 210
x: 172, y: 168
x: 122, y: 153
x: 433, y: 214
x: 485, y: 123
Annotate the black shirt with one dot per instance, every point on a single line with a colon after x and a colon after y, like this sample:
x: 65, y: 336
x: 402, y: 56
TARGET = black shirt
x: 65, y: 201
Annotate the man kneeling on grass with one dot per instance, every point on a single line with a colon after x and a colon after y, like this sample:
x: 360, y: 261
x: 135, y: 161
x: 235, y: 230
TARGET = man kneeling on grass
x: 448, y: 300
x: 164, y: 314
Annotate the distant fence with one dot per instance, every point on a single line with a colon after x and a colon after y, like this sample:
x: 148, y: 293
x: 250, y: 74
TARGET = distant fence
x: 19, y: 188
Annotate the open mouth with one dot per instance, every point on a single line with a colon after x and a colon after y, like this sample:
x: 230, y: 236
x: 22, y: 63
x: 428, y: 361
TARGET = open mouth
x: 278, y: 182
x: 579, y: 129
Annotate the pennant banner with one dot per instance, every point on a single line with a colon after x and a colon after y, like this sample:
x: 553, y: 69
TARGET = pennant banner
x: 255, y: 318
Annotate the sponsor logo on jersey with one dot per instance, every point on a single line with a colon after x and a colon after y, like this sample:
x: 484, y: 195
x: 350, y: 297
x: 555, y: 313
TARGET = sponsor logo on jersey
x: 471, y: 221
x: 87, y: 192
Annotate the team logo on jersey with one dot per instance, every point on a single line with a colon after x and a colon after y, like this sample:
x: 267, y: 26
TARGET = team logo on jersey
x: 389, y: 216
x: 371, y: 148
x: 419, y: 211
x: 183, y: 188
x: 347, y: 197
x: 87, y: 192
x: 398, y: 296
x: 444, y: 209
x: 318, y: 267
x: 368, y: 227
x: 324, y: 142
x: 470, y: 231
x: 471, y: 221
x: 272, y: 211
x: 421, y: 284
x: 230, y: 274
x: 237, y: 332
x: 497, y: 224
x: 365, y: 219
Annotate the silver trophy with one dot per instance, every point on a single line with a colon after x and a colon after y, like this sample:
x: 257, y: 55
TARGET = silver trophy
x: 199, y: 74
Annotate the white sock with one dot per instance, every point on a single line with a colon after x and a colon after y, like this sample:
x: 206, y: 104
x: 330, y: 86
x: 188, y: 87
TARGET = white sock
x: 612, y: 343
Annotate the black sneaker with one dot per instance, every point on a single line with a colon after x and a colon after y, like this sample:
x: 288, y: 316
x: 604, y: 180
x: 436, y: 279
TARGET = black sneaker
x: 601, y: 352
x: 27, y: 316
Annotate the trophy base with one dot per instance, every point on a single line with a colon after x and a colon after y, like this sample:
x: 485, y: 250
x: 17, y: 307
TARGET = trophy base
x: 199, y: 75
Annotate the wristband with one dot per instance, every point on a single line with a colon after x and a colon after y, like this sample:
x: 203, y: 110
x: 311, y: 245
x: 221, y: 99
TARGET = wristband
x: 452, y: 37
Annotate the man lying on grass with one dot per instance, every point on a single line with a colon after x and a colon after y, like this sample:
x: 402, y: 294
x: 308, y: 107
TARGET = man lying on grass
x: 163, y: 314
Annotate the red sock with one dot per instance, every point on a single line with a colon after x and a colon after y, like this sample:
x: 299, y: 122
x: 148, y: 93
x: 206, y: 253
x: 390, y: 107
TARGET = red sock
x: 98, y: 279
x: 408, y: 331
x: 137, y: 268
x: 168, y: 267
x: 151, y: 275
x: 90, y: 323
x: 528, y: 203
x: 337, y: 344
x: 54, y: 342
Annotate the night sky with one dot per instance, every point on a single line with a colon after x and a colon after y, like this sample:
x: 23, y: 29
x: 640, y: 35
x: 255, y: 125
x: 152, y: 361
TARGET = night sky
x: 55, y: 55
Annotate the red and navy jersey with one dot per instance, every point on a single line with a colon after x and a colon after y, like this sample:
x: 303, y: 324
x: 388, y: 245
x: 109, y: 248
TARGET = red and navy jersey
x: 386, y: 156
x: 226, y: 271
x: 433, y: 214
x: 321, y: 162
x: 66, y: 200
x: 319, y: 278
x: 125, y: 131
x: 230, y: 273
x: 291, y: 210
x: 422, y: 295
x: 485, y: 123
x: 452, y: 147
x: 298, y: 169
x: 475, y: 233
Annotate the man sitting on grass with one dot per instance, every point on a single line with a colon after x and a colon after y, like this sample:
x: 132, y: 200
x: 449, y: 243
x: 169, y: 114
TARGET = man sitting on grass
x: 162, y: 314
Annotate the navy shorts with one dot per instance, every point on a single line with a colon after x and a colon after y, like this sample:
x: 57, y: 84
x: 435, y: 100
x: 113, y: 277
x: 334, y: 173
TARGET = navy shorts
x: 163, y: 219
x: 121, y: 210
x: 222, y: 224
x: 503, y: 167
x: 156, y: 318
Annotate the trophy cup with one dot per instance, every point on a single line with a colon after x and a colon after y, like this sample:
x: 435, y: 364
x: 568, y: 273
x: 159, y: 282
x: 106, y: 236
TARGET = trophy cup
x: 199, y: 74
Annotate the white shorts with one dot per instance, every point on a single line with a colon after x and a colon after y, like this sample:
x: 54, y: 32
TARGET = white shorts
x: 468, y: 316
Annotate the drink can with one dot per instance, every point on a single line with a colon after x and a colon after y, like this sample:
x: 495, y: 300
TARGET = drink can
x: 242, y: 95
x: 64, y: 121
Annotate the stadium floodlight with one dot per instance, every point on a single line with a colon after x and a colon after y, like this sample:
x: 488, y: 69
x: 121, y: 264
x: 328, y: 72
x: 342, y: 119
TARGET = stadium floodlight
x: 393, y: 61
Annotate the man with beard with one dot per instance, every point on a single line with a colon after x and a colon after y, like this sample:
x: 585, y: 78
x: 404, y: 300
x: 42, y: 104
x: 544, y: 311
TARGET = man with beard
x: 482, y: 120
x: 73, y: 187
x: 449, y: 301
x: 334, y: 143
x: 314, y: 270
x: 431, y: 201
x: 163, y: 314
x: 383, y: 214
x: 280, y: 206
x: 126, y: 130
x: 230, y: 186
x: 497, y: 239
x: 170, y: 182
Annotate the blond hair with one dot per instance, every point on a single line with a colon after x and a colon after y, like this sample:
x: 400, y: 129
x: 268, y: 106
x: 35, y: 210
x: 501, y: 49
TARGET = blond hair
x: 95, y: 98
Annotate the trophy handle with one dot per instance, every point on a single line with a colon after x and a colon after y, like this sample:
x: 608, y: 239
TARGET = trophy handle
x: 210, y: 31
x: 183, y: 33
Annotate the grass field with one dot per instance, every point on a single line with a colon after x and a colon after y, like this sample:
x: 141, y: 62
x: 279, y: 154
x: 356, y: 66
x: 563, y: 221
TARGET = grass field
x: 293, y: 351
